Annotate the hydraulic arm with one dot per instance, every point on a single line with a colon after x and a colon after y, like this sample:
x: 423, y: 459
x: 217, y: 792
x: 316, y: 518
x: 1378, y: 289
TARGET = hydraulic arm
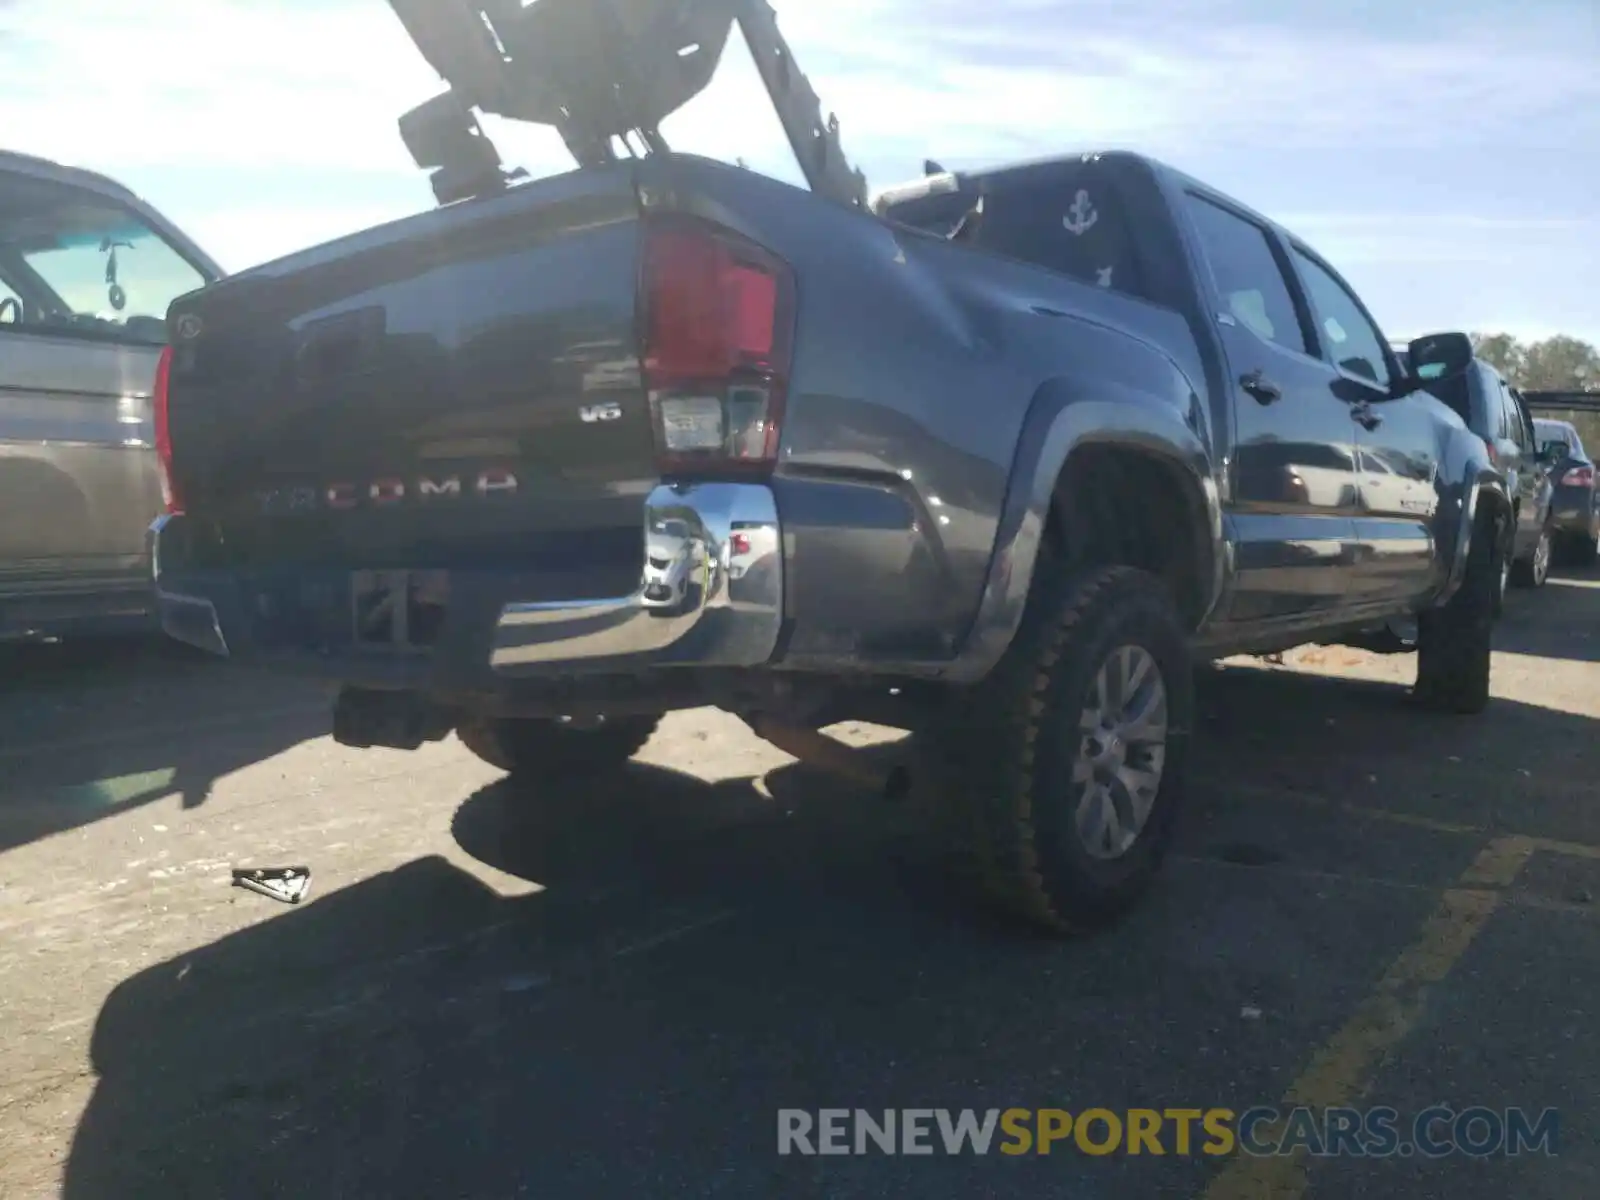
x: 604, y: 74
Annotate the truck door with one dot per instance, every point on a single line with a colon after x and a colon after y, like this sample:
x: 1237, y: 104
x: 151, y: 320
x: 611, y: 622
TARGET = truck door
x: 86, y: 286
x: 1398, y: 444
x: 1294, y: 494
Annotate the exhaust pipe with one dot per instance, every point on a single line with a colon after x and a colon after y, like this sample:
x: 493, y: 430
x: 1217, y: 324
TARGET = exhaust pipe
x: 828, y: 754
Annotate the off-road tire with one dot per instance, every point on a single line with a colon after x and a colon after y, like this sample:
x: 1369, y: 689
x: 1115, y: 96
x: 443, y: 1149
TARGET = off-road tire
x: 1503, y: 579
x: 525, y: 745
x: 1454, y: 643
x: 1525, y: 572
x: 1018, y: 735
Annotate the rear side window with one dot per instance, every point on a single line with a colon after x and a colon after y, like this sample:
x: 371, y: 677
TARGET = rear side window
x: 1249, y: 280
x: 1548, y: 432
x: 1067, y: 221
x: 1064, y: 217
x: 1352, y: 340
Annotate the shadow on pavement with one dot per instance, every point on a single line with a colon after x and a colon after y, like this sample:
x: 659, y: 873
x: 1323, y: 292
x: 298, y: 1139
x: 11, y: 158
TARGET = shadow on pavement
x: 1560, y: 620
x: 704, y: 954
x: 76, y: 662
x: 95, y: 726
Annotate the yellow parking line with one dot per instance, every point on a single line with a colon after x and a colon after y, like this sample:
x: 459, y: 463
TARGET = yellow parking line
x: 1313, y: 800
x: 1342, y: 1071
x: 1570, y: 849
x: 1415, y: 820
x: 1399, y: 817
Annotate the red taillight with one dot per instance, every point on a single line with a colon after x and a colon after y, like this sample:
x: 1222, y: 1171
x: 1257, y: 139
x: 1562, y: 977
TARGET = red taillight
x: 171, y: 501
x: 739, y: 543
x: 1494, y: 455
x: 1578, y: 477
x: 717, y: 318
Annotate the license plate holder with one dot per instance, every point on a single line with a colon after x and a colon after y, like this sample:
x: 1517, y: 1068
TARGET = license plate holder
x: 399, y: 611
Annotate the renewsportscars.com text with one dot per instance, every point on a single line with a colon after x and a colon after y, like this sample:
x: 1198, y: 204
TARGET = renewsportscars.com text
x: 1377, y: 1132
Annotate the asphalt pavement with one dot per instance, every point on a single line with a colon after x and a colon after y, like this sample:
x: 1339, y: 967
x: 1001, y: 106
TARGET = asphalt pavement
x: 611, y: 991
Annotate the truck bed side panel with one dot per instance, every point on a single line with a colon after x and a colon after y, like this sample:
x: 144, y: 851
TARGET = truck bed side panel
x: 916, y: 366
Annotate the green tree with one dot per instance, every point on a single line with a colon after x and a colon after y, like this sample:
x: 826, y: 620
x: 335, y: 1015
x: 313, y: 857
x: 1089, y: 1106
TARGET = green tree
x: 1502, y: 352
x: 1561, y: 364
x: 1556, y: 364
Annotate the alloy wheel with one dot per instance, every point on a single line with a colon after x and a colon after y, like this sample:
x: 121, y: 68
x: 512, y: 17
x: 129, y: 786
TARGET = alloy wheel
x: 1123, y: 749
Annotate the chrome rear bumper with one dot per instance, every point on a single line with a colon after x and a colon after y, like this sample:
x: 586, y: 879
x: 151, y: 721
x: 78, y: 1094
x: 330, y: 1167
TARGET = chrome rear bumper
x: 728, y: 614
x: 718, y: 602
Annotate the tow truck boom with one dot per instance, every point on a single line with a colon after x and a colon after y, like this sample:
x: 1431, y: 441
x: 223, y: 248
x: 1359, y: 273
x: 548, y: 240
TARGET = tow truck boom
x: 599, y: 72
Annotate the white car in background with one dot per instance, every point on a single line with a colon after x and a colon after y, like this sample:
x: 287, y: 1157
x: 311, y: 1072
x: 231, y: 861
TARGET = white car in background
x: 671, y: 557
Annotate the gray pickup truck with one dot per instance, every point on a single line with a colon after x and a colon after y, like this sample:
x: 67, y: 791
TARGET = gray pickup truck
x: 995, y: 459
x: 87, y: 271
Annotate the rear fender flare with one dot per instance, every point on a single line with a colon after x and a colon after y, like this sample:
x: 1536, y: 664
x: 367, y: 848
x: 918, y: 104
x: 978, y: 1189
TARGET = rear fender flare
x: 1064, y: 416
x: 1481, y: 486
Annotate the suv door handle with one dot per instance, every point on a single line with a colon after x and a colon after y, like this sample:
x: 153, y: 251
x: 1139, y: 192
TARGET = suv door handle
x: 1262, y: 388
x: 1365, y: 416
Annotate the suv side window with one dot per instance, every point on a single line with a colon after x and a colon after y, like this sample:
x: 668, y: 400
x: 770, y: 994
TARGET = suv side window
x: 1352, y: 340
x: 1521, y: 419
x: 1504, y: 417
x: 1498, y: 403
x: 1250, y: 280
x: 82, y: 265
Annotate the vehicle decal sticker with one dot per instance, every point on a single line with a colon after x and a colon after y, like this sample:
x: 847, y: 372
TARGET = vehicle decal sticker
x: 1081, y: 216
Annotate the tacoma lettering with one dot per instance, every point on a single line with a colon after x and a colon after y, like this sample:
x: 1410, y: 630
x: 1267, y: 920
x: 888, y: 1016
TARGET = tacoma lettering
x: 389, y: 490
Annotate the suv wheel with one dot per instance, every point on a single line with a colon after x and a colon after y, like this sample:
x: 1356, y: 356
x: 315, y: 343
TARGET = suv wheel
x: 1535, y: 569
x: 519, y: 745
x: 1454, y: 643
x: 1071, y: 763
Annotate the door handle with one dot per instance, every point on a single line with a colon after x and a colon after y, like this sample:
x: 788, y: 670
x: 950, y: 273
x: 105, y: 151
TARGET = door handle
x: 1260, y: 387
x: 1364, y: 415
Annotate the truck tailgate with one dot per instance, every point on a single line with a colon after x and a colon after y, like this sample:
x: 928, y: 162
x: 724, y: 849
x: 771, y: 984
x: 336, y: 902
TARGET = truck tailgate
x: 457, y: 387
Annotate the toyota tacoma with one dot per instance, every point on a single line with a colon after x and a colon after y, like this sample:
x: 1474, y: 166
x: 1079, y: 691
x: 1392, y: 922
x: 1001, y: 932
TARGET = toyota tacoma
x: 994, y: 456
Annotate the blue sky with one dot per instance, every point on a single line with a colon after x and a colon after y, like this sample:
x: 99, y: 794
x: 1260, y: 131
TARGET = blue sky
x: 1444, y: 154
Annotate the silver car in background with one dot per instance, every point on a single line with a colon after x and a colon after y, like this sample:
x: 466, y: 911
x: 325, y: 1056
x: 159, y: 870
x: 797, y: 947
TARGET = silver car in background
x: 87, y: 271
x: 673, y: 558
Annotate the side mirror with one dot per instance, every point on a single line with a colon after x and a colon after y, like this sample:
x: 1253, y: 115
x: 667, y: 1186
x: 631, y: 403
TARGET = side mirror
x: 1439, y: 356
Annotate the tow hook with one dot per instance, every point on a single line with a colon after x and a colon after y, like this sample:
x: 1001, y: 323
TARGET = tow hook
x: 828, y: 754
x: 394, y: 720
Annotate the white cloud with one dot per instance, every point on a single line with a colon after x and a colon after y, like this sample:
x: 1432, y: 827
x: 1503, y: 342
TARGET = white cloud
x: 224, y: 83
x: 318, y: 86
x: 198, y: 102
x: 965, y: 81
